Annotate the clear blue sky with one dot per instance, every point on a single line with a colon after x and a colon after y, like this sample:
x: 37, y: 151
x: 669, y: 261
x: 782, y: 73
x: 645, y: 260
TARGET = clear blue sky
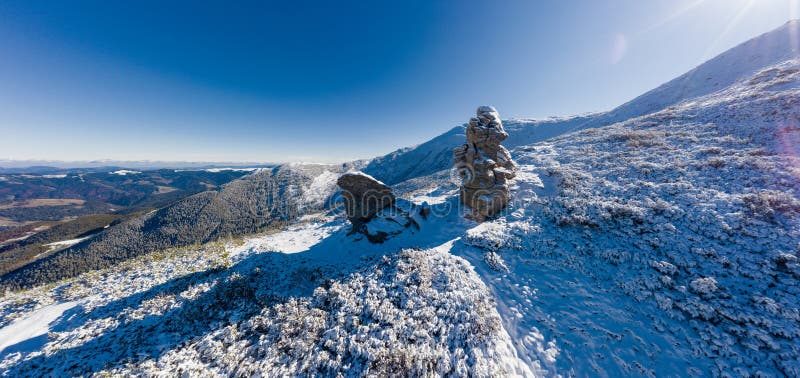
x: 330, y: 80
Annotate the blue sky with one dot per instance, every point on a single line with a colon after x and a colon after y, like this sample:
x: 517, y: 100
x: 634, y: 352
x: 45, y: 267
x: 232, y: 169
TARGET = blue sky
x: 331, y: 81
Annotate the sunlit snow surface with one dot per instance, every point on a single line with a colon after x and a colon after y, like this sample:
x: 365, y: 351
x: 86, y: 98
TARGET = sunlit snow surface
x: 125, y: 172
x: 30, y: 333
x: 64, y: 243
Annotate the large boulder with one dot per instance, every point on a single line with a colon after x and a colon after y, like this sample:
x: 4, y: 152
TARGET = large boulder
x: 374, y: 211
x: 364, y: 196
x: 484, y: 165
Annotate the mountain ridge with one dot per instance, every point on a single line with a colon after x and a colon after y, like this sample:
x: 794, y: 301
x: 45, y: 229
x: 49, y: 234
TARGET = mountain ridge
x: 433, y: 155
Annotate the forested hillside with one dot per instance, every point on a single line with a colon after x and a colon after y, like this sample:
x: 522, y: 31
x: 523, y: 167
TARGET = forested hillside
x: 264, y: 199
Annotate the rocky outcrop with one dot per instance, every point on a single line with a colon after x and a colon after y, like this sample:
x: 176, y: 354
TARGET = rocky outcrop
x: 373, y: 210
x: 364, y: 196
x: 484, y: 165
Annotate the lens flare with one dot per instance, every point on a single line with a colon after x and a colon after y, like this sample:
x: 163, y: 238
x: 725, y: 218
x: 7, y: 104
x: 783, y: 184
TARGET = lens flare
x: 618, y: 48
x: 731, y: 24
x: 677, y: 13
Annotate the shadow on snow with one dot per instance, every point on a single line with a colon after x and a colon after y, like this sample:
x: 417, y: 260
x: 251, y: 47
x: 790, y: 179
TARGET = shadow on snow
x: 259, y: 281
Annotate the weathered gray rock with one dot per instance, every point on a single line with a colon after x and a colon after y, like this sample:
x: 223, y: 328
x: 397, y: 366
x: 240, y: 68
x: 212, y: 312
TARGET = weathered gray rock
x: 484, y: 165
x: 374, y: 211
x: 364, y: 196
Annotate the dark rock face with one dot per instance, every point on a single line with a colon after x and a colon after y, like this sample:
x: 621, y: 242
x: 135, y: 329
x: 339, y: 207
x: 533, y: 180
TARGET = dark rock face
x: 484, y: 165
x: 364, y: 196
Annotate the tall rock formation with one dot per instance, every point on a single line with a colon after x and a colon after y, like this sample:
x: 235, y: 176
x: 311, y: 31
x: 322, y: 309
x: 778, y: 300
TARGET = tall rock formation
x: 484, y: 165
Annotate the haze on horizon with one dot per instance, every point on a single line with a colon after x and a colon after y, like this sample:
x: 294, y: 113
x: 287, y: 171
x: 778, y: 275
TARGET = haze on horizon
x: 308, y: 81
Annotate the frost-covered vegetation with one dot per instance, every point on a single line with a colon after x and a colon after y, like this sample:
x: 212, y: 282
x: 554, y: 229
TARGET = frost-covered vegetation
x: 421, y: 312
x: 417, y: 313
x: 691, y: 212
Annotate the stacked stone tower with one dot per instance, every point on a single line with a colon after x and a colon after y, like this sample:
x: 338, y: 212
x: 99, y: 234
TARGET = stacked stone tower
x: 484, y: 165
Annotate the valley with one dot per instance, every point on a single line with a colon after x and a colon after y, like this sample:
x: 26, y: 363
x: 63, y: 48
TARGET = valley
x: 40, y: 212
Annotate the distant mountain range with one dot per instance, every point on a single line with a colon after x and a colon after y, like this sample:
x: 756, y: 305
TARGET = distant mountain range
x: 59, y: 166
x: 267, y: 198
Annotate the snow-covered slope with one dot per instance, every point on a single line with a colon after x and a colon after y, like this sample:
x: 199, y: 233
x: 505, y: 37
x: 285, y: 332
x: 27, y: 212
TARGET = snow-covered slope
x: 673, y: 236
x: 724, y: 70
x: 661, y: 245
x: 421, y: 160
x: 740, y: 62
x: 665, y: 245
x: 330, y: 304
x: 437, y: 154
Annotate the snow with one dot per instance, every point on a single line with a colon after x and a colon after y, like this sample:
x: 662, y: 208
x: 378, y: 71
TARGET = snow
x: 218, y: 170
x: 666, y: 235
x: 294, y: 239
x: 23, y: 237
x: 24, y: 334
x: 64, y: 243
x: 327, y: 301
x: 125, y: 172
x: 55, y: 176
x: 366, y: 323
x: 730, y: 67
x: 704, y: 286
x: 362, y: 174
x: 431, y: 200
x: 320, y: 188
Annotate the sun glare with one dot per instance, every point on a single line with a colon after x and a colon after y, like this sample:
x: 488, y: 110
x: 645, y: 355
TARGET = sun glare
x: 742, y: 8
